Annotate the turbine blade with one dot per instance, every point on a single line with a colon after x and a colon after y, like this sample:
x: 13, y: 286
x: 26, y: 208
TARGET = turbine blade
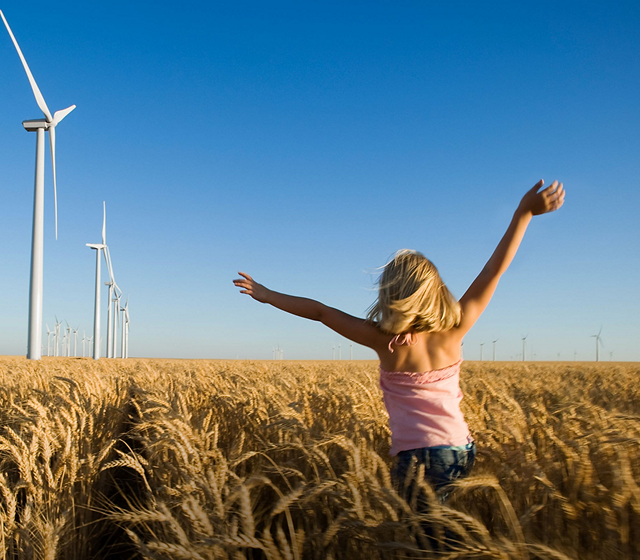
x: 107, y: 256
x: 36, y: 91
x: 52, y: 142
x: 104, y: 223
x: 59, y: 115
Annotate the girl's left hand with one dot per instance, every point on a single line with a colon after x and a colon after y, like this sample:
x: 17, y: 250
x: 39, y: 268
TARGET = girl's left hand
x: 251, y: 287
x: 547, y: 200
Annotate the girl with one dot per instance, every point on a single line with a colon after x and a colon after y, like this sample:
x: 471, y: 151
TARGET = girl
x: 416, y: 327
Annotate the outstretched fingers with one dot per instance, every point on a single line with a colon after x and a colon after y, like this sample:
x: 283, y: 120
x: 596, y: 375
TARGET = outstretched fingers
x: 554, y: 196
x: 537, y: 186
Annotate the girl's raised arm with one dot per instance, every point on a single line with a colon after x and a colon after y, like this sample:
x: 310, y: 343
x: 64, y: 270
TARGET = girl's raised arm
x: 355, y: 329
x: 533, y: 203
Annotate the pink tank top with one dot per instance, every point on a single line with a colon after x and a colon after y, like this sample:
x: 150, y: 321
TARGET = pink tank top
x: 424, y: 408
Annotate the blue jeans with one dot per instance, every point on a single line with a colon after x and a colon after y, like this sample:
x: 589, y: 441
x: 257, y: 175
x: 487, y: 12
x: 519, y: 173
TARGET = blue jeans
x: 442, y: 465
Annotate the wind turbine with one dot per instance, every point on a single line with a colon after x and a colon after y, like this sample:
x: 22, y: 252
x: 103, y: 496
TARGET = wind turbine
x: 68, y: 340
x: 49, y: 123
x: 494, y: 349
x: 96, y: 310
x: 84, y: 339
x: 116, y: 320
x: 598, y: 341
x: 113, y: 291
x: 49, y: 333
x: 524, y: 338
x: 125, y: 329
x: 75, y: 342
x: 57, y: 336
x: 481, y: 345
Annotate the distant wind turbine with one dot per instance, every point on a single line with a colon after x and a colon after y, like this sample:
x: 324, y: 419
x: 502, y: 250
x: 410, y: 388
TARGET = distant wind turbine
x: 49, y: 123
x: 57, y: 336
x: 125, y: 329
x: 524, y: 338
x: 49, y: 333
x: 68, y: 340
x: 598, y: 341
x: 494, y: 349
x: 481, y: 345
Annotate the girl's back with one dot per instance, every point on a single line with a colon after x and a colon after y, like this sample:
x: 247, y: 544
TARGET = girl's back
x: 429, y: 351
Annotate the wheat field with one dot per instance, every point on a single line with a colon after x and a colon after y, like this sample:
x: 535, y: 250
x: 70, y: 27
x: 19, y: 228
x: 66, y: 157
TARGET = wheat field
x: 172, y: 459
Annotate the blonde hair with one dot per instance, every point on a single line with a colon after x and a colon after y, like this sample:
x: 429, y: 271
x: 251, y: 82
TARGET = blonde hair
x: 412, y: 297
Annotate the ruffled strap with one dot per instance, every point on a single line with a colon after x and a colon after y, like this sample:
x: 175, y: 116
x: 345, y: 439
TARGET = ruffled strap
x: 401, y: 339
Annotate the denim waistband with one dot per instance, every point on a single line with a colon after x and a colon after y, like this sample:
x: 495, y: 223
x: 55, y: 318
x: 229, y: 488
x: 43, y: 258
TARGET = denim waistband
x: 466, y: 446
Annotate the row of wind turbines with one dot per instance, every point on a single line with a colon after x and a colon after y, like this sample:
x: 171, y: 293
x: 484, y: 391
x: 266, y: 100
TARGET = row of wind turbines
x: 34, y: 344
x: 598, y: 338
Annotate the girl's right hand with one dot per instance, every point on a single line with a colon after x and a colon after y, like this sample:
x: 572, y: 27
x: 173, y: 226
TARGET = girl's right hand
x: 547, y: 200
x: 251, y: 287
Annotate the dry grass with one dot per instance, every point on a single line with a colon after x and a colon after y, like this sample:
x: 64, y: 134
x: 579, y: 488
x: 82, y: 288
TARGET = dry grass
x: 289, y: 460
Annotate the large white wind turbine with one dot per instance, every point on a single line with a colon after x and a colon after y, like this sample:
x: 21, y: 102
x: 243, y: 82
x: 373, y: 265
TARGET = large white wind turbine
x: 96, y: 310
x: 494, y: 349
x: 49, y: 123
x: 598, y: 342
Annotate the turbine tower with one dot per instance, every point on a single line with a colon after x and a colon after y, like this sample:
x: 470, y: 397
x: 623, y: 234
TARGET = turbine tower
x: 598, y: 342
x: 494, y: 349
x: 481, y: 345
x: 49, y: 123
x: 524, y: 338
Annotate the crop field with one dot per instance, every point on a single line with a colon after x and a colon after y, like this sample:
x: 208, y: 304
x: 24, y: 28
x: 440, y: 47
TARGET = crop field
x: 197, y: 459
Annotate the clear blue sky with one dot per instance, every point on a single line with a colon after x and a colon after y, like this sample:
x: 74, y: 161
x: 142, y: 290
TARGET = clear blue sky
x: 304, y: 143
